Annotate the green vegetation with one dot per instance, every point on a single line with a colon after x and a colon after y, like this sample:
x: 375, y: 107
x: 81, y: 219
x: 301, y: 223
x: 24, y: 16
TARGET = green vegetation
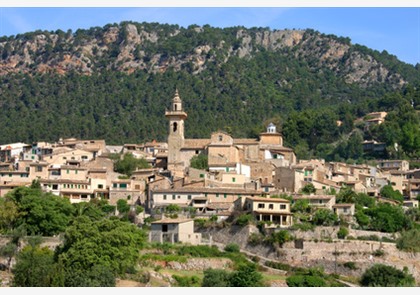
x: 311, y: 277
x: 308, y: 94
x: 246, y: 275
x: 128, y: 164
x: 308, y: 189
x: 380, y: 275
x: 199, y: 162
x: 38, y: 212
x: 409, y: 241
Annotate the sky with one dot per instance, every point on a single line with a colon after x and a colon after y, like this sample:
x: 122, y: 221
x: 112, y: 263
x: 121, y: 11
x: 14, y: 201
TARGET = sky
x: 393, y: 28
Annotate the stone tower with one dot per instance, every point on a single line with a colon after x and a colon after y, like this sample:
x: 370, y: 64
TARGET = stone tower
x: 176, y: 117
x: 271, y: 136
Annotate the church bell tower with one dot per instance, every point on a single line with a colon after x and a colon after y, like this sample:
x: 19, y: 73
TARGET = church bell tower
x: 176, y: 117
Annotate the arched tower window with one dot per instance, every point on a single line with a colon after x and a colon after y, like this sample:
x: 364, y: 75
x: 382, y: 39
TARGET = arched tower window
x: 175, y: 107
x: 175, y: 126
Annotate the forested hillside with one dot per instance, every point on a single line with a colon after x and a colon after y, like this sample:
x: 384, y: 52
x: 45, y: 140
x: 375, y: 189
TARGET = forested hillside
x: 115, y: 82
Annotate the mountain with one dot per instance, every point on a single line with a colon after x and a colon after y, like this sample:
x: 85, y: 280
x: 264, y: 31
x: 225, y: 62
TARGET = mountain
x: 154, y: 48
x: 114, y: 82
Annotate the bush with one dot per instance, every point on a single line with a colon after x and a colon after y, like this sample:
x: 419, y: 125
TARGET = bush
x: 409, y: 241
x: 350, y: 265
x: 378, y: 253
x: 305, y: 281
x: 232, y: 248
x: 380, y: 275
x: 122, y: 206
x: 186, y: 281
x: 199, y: 162
x: 304, y: 226
x: 255, y: 239
x: 244, y: 219
x: 281, y: 237
x: 278, y: 265
x: 342, y: 233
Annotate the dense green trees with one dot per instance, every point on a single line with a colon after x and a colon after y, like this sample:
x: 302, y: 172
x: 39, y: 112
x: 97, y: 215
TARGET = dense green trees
x: 236, y: 96
x: 199, y: 162
x: 380, y: 275
x: 40, y: 213
x: 108, y: 246
x: 127, y: 164
x: 246, y: 275
x: 35, y: 267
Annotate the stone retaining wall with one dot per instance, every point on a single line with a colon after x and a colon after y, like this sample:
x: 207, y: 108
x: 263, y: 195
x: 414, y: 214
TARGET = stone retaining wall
x: 331, y: 255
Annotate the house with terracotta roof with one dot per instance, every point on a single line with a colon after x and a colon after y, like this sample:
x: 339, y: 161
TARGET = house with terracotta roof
x: 180, y: 230
x: 275, y: 212
x: 223, y: 151
x: 317, y: 201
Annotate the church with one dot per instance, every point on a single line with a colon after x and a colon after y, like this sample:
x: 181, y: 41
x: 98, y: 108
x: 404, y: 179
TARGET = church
x: 224, y: 152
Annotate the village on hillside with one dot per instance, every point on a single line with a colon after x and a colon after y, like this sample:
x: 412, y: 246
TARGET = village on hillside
x: 241, y: 175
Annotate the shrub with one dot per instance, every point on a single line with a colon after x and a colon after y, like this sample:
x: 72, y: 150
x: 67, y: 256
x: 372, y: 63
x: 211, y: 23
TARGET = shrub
x: 378, y: 253
x: 350, y: 265
x: 380, y: 275
x: 281, y: 237
x: 278, y: 265
x: 305, y: 281
x: 233, y: 248
x: 244, y: 219
x: 186, y: 281
x: 342, y: 233
x: 409, y: 241
x: 255, y: 239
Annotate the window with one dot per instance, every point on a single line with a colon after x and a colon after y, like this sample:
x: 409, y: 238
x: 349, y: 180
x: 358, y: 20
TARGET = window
x: 217, y: 195
x: 266, y: 189
x: 201, y: 175
x: 220, y: 137
x: 100, y: 186
x: 38, y: 169
x: 64, y: 185
x: 233, y: 179
x: 189, y: 197
x: 345, y: 210
x: 76, y: 171
x: 68, y: 171
x: 164, y: 197
x: 173, y: 197
x: 84, y: 157
x: 270, y: 206
x: 137, y: 187
x: 179, y: 197
x: 123, y: 185
x: 114, y: 185
x: 197, y: 152
x: 227, y: 169
x: 64, y: 158
x: 175, y: 126
x: 283, y: 207
x: 24, y: 175
x: 261, y: 206
x: 55, y: 186
x: 225, y: 196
